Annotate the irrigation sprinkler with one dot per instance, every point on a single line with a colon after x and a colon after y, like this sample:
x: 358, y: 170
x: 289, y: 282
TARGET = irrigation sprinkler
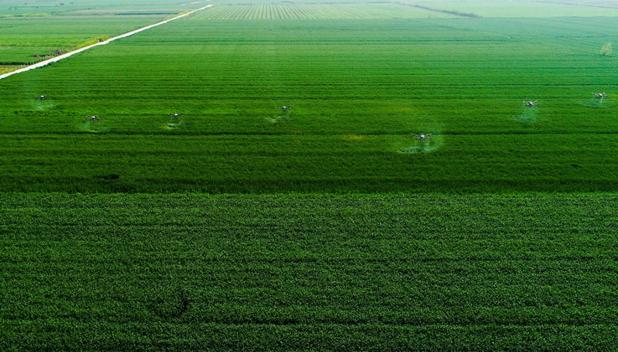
x: 607, y: 49
x: 422, y: 137
x: 600, y: 95
x: 175, y: 116
x: 285, y: 114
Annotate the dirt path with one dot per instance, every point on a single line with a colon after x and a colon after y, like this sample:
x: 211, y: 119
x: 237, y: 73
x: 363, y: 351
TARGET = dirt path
x: 105, y: 42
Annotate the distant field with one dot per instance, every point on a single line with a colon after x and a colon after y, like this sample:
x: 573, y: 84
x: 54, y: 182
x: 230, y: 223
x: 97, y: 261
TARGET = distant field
x: 42, y: 8
x: 525, y: 8
x: 359, y: 91
x: 308, y: 272
x: 314, y: 11
x: 34, y: 31
x: 26, y: 41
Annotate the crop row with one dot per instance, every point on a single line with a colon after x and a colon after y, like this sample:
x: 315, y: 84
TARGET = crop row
x: 316, y: 11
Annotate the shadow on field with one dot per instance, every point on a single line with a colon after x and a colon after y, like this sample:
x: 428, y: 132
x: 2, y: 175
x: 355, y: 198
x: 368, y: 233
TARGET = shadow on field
x: 170, y: 303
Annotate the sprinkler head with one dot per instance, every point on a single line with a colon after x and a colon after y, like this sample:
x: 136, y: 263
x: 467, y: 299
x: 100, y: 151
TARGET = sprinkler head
x: 422, y: 137
x: 600, y: 95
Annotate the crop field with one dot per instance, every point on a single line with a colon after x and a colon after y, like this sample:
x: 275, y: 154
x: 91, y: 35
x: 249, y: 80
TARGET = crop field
x: 318, y: 11
x: 358, y: 91
x: 316, y: 272
x: 34, y: 31
x: 525, y: 8
x: 310, y: 175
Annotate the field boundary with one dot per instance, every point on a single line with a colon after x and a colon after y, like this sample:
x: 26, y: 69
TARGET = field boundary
x: 101, y: 43
x: 444, y: 11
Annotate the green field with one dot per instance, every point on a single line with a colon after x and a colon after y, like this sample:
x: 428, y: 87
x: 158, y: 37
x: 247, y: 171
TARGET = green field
x: 358, y: 90
x: 308, y: 272
x: 37, y: 30
x: 326, y: 226
x: 527, y: 8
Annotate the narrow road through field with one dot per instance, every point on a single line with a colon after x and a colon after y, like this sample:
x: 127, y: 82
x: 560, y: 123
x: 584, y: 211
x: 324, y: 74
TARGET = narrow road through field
x: 105, y: 42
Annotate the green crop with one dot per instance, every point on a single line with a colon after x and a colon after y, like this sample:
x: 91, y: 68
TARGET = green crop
x: 359, y: 90
x: 310, y: 175
x: 308, y: 272
x: 33, y: 32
